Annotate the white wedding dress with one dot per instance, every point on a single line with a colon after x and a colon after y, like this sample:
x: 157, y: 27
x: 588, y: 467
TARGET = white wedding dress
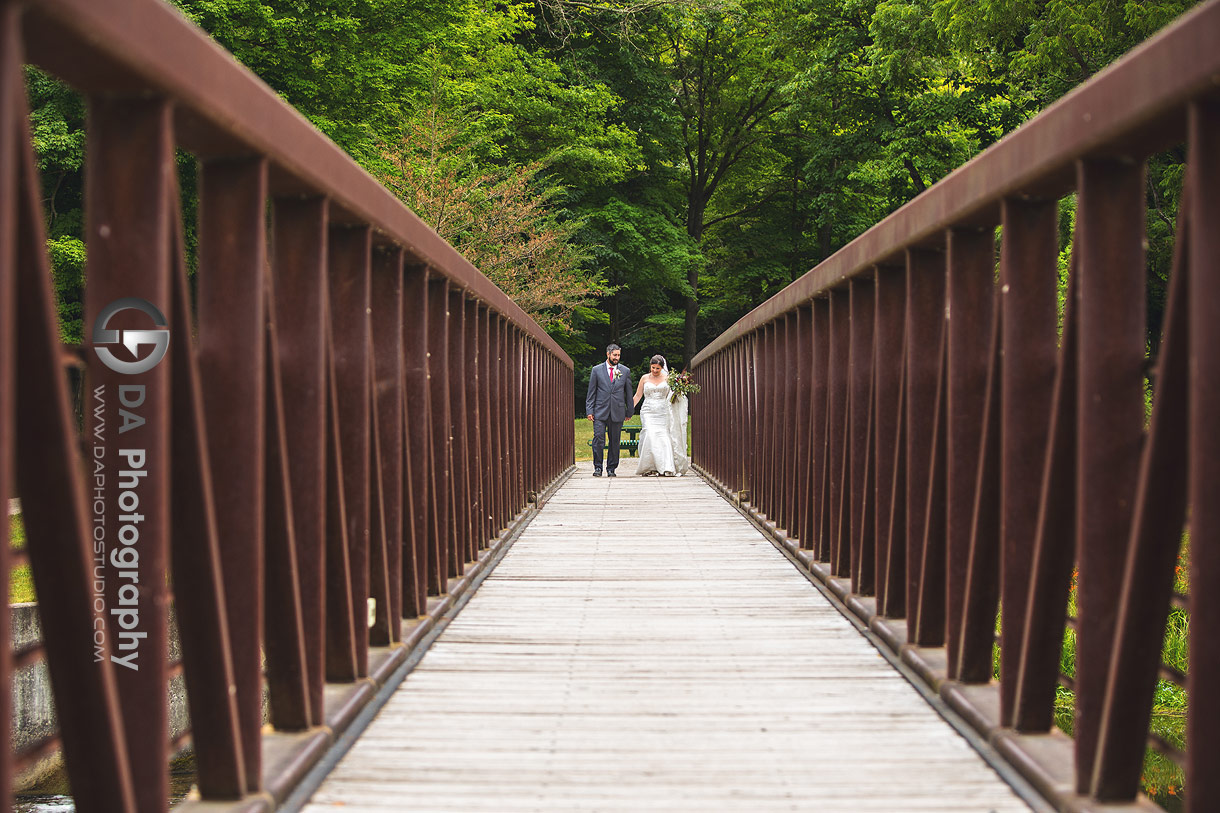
x: 663, y: 437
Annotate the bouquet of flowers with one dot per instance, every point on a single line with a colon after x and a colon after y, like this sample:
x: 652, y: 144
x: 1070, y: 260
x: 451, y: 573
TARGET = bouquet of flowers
x: 680, y: 384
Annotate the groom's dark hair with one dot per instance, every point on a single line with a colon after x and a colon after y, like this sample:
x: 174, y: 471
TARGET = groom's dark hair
x: 610, y: 348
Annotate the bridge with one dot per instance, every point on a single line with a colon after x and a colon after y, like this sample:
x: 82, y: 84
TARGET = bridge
x: 342, y: 480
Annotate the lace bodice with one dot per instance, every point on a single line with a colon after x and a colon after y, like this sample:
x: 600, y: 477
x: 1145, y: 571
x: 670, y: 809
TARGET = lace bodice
x: 656, y: 391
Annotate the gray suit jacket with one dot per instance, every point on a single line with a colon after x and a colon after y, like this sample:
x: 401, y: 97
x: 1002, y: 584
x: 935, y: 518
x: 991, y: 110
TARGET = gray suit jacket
x: 609, y: 401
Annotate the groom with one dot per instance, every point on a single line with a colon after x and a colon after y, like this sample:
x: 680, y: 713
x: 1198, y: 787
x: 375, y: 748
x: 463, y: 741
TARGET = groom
x: 608, y: 404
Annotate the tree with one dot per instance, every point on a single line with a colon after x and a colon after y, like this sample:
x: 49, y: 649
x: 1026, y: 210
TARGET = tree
x: 728, y: 73
x: 498, y: 219
x: 57, y: 119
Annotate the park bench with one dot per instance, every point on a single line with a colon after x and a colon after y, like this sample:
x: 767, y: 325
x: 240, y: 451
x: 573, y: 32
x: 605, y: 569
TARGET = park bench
x: 630, y: 443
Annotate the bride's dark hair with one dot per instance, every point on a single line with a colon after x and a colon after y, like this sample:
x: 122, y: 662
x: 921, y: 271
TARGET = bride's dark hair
x: 657, y: 360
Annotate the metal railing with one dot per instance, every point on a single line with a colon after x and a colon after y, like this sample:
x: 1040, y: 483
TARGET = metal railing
x: 914, y: 427
x: 347, y: 419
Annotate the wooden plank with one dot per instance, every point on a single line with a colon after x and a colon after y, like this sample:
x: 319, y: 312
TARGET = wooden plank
x: 643, y: 647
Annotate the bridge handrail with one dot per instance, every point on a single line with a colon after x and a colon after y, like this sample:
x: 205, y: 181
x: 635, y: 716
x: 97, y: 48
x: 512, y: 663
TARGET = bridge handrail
x: 340, y: 425
x: 926, y: 433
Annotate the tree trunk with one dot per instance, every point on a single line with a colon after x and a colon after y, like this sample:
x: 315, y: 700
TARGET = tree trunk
x: 615, y: 320
x: 694, y: 229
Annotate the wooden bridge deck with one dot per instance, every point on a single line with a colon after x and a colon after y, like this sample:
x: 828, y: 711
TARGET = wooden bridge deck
x: 643, y: 647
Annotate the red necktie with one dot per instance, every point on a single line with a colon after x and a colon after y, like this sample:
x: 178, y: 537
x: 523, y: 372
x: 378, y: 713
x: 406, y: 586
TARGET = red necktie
x: 611, y: 373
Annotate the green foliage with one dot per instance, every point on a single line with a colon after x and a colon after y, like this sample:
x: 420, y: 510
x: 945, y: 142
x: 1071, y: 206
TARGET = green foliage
x: 705, y: 151
x: 1041, y: 50
x: 57, y: 117
x: 21, y: 582
x: 350, y: 66
x: 67, y: 255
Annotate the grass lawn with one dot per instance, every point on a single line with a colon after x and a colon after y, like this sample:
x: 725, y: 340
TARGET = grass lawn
x: 21, y: 585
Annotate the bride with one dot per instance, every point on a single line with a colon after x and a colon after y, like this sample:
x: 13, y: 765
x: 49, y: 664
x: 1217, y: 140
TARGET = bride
x: 663, y: 437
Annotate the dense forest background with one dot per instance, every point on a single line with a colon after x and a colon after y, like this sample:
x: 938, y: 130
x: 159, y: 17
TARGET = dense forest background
x: 648, y: 171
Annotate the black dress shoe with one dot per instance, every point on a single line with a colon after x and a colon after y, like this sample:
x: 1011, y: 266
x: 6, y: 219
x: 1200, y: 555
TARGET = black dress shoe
x: 598, y: 473
x: 610, y: 474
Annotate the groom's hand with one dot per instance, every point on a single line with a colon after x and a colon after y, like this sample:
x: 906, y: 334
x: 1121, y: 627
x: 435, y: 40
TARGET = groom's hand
x: 590, y: 417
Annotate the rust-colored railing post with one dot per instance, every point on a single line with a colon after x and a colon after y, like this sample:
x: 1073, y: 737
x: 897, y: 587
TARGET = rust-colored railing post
x: 199, y: 602
x: 555, y: 420
x: 232, y: 368
x: 970, y: 264
x: 298, y: 264
x: 128, y: 231
x: 838, y: 453
x: 706, y: 445
x: 288, y: 668
x: 498, y: 423
x: 1110, y: 420
x: 793, y: 377
x: 768, y: 408
x: 487, y: 468
x: 783, y: 373
x: 925, y: 285
x: 40, y: 449
x: 11, y: 147
x: 709, y: 446
x: 717, y: 414
x: 732, y: 421
x: 748, y: 440
x: 1203, y: 758
x: 516, y: 434
x: 394, y: 561
x: 751, y: 396
x: 460, y: 450
x: 1154, y: 540
x: 1028, y: 280
x: 349, y: 272
x: 546, y: 421
x: 759, y: 405
x: 440, y: 530
x: 418, y: 445
x: 473, y: 428
x: 859, y: 449
x: 801, y: 492
x: 342, y: 665
x: 820, y: 422
x: 529, y: 417
x: 703, y: 443
x: 980, y: 598
x: 1047, y: 592
x: 889, y: 320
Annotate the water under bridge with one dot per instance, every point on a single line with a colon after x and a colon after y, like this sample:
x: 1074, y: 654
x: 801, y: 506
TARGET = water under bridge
x: 341, y: 482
